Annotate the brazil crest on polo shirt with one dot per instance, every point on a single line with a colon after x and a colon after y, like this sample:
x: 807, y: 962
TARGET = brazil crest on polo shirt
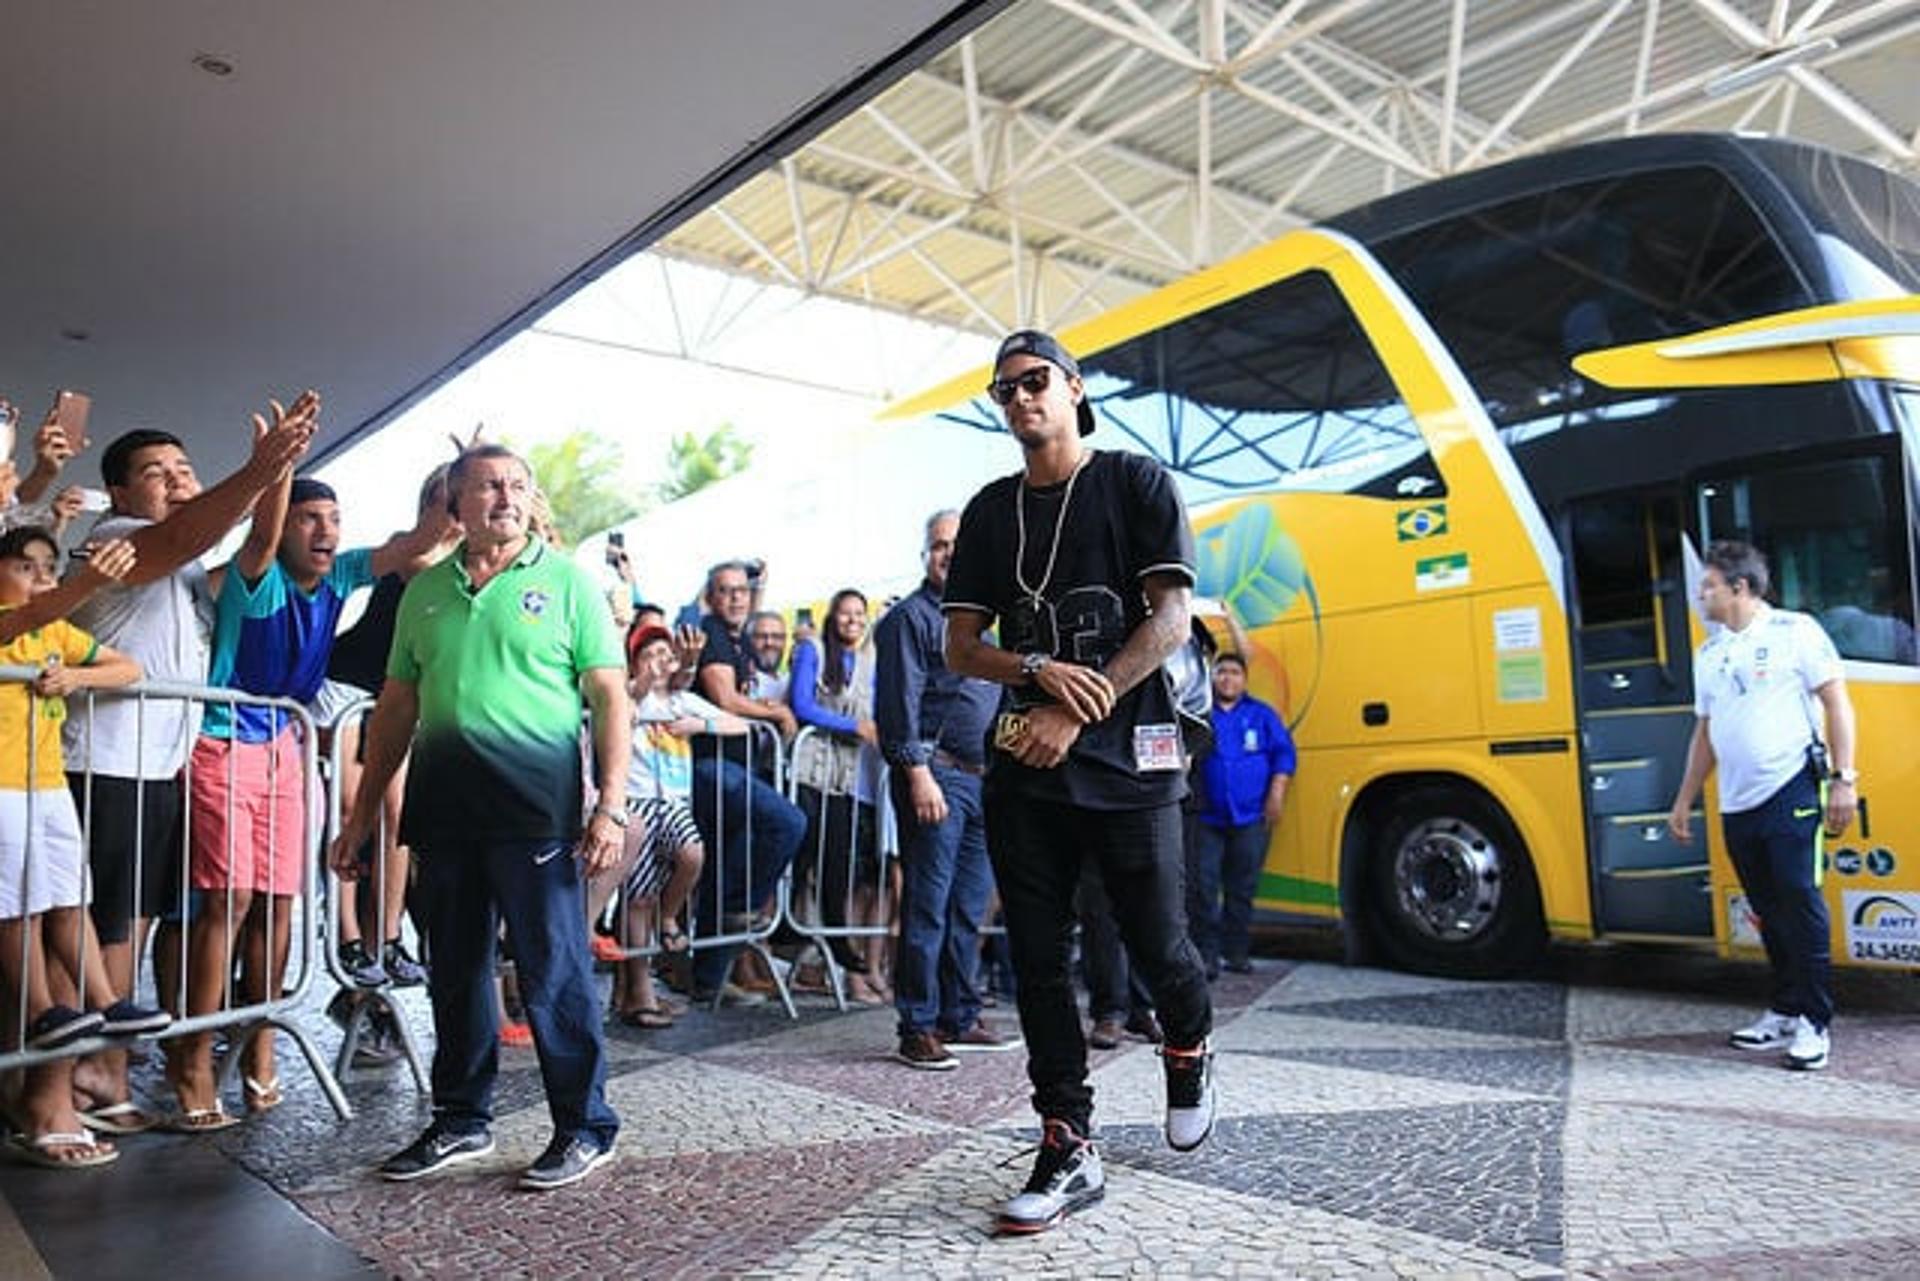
x: 497, y: 752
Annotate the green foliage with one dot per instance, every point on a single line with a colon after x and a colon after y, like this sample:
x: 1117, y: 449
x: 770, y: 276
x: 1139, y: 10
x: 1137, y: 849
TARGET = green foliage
x: 693, y: 463
x: 580, y: 475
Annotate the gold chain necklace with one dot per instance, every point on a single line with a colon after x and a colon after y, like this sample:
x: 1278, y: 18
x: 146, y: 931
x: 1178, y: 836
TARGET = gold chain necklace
x: 1036, y: 595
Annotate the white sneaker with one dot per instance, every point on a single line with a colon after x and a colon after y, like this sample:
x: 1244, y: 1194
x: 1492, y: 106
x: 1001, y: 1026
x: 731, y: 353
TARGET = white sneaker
x: 1191, y: 1101
x: 1067, y: 1177
x: 1768, y: 1032
x: 1808, y: 1052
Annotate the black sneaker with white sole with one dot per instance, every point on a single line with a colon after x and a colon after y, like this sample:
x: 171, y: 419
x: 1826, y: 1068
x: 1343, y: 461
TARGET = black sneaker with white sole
x: 435, y: 1151
x: 565, y: 1161
x: 1190, y: 1096
x: 1066, y: 1177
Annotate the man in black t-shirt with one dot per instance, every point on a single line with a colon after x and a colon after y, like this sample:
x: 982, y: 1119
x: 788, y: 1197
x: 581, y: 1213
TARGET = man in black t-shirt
x: 1085, y: 561
x: 726, y: 663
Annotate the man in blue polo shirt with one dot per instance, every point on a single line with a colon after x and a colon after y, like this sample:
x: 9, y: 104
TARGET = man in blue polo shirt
x: 1245, y: 776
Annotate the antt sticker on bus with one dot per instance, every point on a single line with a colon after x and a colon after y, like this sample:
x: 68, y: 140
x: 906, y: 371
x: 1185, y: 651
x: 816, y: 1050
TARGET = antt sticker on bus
x: 1437, y: 573
x: 1882, y: 928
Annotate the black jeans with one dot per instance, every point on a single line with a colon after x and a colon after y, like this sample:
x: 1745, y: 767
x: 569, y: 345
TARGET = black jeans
x: 1037, y: 848
x: 1775, y: 848
x: 1115, y: 989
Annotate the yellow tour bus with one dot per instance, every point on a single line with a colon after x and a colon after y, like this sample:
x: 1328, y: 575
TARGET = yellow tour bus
x: 1451, y: 460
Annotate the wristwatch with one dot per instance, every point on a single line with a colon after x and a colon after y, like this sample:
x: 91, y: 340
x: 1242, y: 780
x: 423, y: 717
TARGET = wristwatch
x: 617, y: 817
x: 1848, y: 776
x: 1030, y: 665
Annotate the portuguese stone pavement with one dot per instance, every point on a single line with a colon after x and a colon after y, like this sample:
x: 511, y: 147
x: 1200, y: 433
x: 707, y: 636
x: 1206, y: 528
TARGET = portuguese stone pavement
x: 1591, y: 1122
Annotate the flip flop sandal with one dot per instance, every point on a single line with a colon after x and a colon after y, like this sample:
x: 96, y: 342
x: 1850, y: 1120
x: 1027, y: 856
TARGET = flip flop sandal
x: 39, y: 1151
x: 650, y: 1016
x: 673, y: 940
x: 124, y: 1117
x: 200, y: 1121
x: 263, y: 1096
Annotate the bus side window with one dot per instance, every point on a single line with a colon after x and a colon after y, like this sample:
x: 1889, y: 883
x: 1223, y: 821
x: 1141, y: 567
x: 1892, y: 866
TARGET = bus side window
x: 1835, y: 534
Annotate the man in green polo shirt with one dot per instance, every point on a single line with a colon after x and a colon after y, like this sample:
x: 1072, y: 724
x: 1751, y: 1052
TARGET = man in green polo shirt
x: 492, y: 652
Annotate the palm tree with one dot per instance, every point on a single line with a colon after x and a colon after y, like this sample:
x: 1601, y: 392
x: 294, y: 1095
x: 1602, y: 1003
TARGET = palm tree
x: 694, y: 463
x: 580, y: 475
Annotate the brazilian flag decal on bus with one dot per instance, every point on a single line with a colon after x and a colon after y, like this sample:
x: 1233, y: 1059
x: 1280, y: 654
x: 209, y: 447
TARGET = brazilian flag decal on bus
x: 1425, y: 521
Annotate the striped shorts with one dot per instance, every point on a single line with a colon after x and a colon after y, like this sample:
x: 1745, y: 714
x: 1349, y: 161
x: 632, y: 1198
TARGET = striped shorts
x: 666, y: 827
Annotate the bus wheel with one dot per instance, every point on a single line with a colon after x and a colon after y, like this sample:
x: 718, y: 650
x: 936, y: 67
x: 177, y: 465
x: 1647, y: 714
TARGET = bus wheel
x: 1451, y: 887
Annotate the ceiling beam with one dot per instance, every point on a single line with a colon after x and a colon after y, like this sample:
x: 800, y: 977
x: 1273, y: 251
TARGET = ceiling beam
x: 1547, y: 79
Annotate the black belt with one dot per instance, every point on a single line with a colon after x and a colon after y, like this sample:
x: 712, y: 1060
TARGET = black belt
x: 941, y: 756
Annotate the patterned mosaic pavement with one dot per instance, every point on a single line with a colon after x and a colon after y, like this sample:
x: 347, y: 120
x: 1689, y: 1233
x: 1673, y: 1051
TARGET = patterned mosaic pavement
x: 1373, y: 1124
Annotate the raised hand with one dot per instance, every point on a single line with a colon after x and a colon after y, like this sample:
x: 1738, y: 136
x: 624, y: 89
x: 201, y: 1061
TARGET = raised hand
x: 51, y: 448
x: 284, y: 434
x: 67, y: 504
x: 689, y: 642
x: 479, y: 437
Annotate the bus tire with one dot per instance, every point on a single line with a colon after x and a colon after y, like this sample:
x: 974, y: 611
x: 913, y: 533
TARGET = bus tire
x: 1450, y: 886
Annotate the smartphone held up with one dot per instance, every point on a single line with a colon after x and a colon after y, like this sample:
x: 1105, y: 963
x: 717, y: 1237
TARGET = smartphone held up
x: 71, y: 409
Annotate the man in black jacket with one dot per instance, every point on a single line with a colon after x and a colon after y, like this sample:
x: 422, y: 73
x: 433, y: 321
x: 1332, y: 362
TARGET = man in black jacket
x: 1085, y: 560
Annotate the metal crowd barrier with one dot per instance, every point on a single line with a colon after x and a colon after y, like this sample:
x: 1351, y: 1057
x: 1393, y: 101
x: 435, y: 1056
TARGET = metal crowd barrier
x: 809, y: 906
x: 730, y: 927
x: 239, y: 1021
x: 366, y: 1007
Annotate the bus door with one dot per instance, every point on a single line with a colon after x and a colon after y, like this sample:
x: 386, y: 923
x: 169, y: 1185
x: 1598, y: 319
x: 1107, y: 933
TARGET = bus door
x: 1632, y: 652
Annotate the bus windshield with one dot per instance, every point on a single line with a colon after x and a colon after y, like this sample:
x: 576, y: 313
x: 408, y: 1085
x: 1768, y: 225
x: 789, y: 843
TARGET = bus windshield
x: 1866, y: 219
x: 1517, y: 289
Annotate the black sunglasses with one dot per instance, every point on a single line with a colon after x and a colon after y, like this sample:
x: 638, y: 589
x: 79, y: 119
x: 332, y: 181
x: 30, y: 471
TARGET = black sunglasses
x: 1032, y: 381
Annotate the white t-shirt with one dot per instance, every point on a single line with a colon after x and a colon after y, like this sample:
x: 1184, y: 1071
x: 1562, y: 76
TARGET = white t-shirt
x: 166, y: 626
x: 661, y: 764
x: 1755, y: 688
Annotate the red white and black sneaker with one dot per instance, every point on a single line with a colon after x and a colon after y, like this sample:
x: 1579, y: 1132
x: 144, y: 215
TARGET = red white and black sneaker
x: 1066, y: 1177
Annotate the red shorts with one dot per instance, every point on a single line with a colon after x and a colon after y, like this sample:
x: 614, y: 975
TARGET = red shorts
x: 247, y: 831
